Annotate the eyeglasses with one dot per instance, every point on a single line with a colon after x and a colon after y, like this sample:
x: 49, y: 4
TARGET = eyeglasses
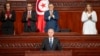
x: 7, y: 6
x: 29, y: 6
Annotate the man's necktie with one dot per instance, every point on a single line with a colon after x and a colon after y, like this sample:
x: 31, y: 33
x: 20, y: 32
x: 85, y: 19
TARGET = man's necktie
x: 50, y: 42
x: 8, y: 14
x: 29, y: 23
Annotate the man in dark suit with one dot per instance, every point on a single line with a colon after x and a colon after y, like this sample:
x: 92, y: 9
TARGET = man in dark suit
x: 51, y: 18
x: 51, y: 43
x: 29, y: 19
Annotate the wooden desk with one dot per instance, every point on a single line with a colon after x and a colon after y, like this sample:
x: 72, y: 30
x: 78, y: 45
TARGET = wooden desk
x: 48, y: 53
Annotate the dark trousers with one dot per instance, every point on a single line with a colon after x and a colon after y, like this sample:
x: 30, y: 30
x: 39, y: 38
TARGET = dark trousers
x: 8, y: 30
x: 28, y: 29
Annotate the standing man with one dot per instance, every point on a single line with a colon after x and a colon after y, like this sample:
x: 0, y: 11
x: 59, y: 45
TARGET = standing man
x: 51, y: 18
x: 51, y: 43
x: 29, y: 19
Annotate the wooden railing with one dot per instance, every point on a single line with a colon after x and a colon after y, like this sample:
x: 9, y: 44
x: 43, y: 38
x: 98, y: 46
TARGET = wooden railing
x: 80, y: 45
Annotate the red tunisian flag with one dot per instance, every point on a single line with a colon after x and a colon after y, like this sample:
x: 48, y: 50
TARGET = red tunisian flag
x: 41, y: 7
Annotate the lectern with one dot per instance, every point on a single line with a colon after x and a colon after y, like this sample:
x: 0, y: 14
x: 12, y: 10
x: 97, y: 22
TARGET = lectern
x: 48, y: 53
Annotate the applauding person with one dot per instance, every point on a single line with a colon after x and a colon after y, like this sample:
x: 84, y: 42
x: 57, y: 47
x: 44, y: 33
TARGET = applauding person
x: 51, y: 18
x: 89, y: 19
x: 8, y: 18
x: 29, y: 19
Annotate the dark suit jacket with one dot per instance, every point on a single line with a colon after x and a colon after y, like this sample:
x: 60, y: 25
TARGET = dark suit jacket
x: 8, y: 25
x: 46, y: 45
x: 33, y: 27
x: 53, y: 22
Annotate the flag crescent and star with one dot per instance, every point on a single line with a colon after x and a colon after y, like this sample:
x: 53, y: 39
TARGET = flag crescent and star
x: 41, y: 7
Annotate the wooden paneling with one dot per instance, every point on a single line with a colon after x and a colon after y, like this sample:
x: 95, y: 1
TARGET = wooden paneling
x: 68, y: 19
x: 48, y: 53
x: 71, y: 20
x: 18, y: 23
x: 80, y: 45
x: 45, y: 34
x: 69, y: 12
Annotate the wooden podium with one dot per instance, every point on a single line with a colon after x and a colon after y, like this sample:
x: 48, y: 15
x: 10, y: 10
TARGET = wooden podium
x: 48, y: 53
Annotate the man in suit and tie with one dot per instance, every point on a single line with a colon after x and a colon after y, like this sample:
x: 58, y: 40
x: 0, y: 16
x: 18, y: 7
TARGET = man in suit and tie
x: 51, y: 17
x: 51, y: 43
x: 29, y: 19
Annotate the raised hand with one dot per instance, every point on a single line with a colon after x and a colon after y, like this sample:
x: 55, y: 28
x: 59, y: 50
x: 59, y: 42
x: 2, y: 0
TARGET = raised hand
x: 10, y: 16
x: 28, y: 17
x: 90, y: 17
x: 6, y: 16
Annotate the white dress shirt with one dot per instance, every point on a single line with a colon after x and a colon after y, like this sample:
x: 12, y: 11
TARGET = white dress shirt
x: 51, y: 38
x: 29, y: 12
